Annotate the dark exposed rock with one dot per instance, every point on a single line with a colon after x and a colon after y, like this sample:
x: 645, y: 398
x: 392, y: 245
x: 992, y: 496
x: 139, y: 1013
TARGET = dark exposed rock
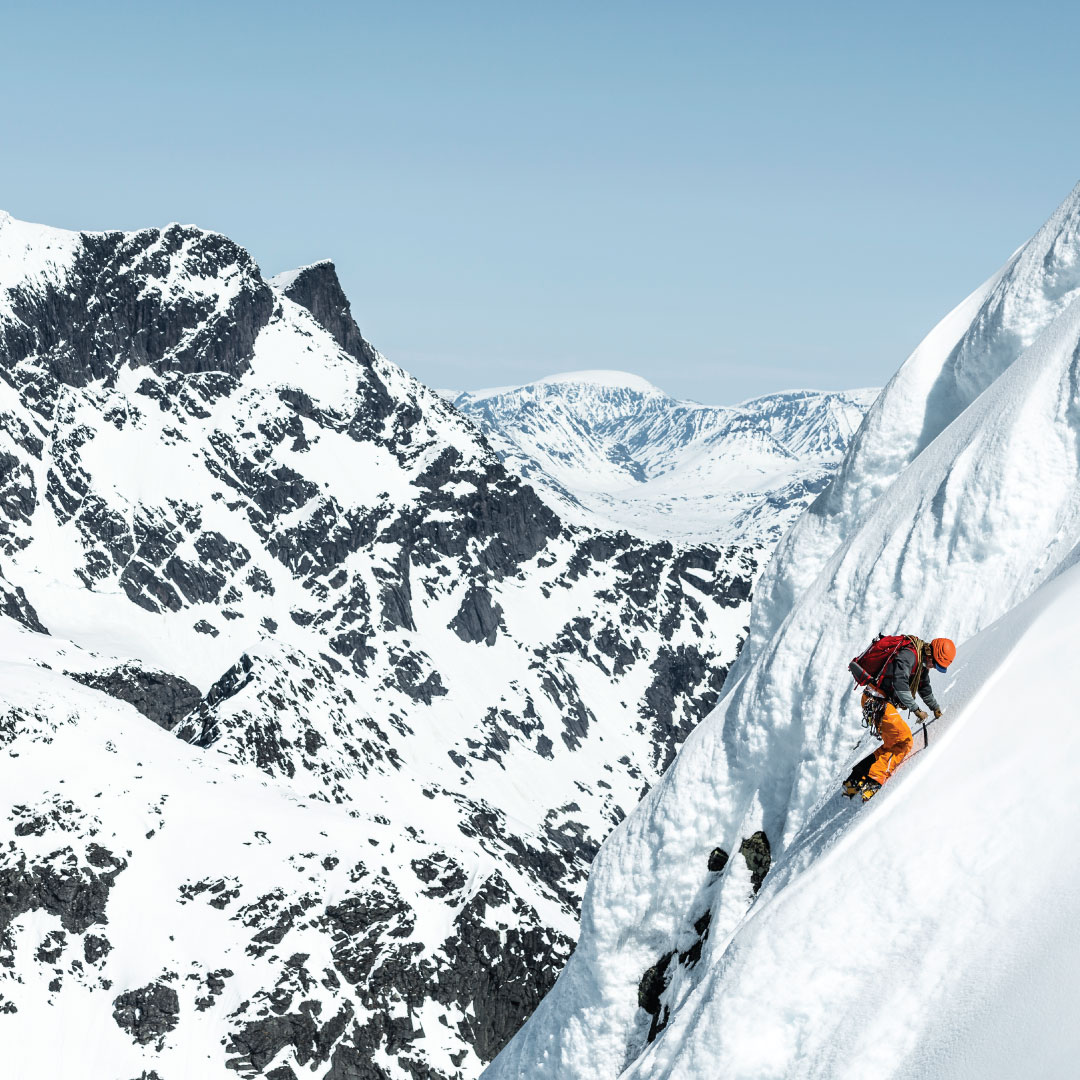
x: 215, y: 985
x: 166, y: 699
x: 576, y: 717
x: 317, y: 289
x: 18, y: 495
x: 417, y: 678
x: 325, y: 538
x: 701, y: 927
x: 148, y: 1014
x: 95, y: 948
x: 478, y: 617
x: 258, y: 1042
x: 755, y: 850
x: 683, y: 680
x: 503, y: 972
x: 232, y: 682
x: 14, y: 605
x: 58, y: 885
x: 132, y: 323
x: 718, y: 859
x: 145, y: 588
x: 650, y: 990
x: 51, y: 947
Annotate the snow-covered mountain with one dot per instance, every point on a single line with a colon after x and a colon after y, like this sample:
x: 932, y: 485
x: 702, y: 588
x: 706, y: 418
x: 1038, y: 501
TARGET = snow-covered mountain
x: 610, y: 447
x: 312, y: 715
x: 745, y: 921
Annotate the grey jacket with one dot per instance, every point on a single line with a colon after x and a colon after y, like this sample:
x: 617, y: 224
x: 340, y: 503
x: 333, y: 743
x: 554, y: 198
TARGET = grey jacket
x: 900, y: 685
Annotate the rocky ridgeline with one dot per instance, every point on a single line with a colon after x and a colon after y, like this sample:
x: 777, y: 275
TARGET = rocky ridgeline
x: 225, y: 518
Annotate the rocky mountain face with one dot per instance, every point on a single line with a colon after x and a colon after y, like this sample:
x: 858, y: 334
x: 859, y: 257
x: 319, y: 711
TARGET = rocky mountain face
x: 605, y: 446
x: 312, y: 714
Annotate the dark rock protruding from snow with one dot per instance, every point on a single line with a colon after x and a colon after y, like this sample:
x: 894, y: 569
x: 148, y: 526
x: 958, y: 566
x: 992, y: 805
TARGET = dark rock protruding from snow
x: 166, y: 699
x: 478, y: 617
x: 755, y: 850
x: 14, y: 605
x: 718, y: 859
x: 74, y: 338
x: 318, y: 289
x: 650, y: 992
x: 148, y: 1013
x: 59, y: 885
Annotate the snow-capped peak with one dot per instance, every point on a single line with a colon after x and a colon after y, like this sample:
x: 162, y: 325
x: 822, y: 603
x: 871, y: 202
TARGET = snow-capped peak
x: 584, y: 381
x: 288, y: 277
x: 32, y: 251
x: 247, y: 559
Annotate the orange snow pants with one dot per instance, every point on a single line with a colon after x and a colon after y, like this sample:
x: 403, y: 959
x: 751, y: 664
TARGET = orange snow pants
x: 896, y: 744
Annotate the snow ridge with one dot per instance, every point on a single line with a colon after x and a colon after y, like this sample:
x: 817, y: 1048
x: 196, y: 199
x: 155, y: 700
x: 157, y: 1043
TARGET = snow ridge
x: 956, y: 511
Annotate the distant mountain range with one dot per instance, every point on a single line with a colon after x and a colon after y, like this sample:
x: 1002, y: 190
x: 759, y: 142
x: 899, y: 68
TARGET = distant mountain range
x: 609, y: 448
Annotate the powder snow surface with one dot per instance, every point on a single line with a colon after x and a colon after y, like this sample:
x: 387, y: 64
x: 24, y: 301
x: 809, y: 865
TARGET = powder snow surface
x: 928, y: 933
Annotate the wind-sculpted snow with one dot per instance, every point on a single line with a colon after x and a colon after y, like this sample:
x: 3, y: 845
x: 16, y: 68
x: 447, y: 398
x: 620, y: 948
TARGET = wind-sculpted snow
x: 610, y: 447
x: 679, y: 971
x: 935, y: 935
x: 315, y: 715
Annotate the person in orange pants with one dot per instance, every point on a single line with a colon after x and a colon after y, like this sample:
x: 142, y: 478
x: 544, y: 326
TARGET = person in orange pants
x: 896, y: 743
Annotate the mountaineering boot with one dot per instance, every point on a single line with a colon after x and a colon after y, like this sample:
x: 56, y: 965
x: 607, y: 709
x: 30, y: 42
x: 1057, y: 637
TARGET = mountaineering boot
x: 869, y: 789
x: 858, y: 775
x: 862, y: 786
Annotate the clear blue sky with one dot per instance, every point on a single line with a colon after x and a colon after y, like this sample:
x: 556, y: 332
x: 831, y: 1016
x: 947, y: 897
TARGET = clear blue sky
x: 726, y: 198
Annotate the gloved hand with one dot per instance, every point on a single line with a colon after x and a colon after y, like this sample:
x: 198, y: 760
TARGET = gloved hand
x: 937, y: 713
x: 921, y: 714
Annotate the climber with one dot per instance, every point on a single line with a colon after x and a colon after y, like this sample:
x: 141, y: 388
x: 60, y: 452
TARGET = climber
x: 892, y: 671
x: 898, y: 668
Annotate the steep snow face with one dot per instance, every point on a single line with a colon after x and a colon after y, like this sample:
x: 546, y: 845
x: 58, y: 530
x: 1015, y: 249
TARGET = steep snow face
x: 678, y: 971
x: 935, y: 933
x: 609, y: 446
x: 390, y: 703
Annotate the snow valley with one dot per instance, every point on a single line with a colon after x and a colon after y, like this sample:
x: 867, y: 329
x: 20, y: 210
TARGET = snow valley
x: 612, y: 447
x: 312, y: 714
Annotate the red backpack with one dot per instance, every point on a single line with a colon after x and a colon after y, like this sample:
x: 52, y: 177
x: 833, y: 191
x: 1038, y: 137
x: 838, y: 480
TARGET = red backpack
x: 869, y: 668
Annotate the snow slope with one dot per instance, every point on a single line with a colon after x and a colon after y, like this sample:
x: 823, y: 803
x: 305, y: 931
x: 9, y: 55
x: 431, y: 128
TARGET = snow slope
x: 934, y: 934
x: 610, y: 447
x: 957, y: 502
x: 309, y: 586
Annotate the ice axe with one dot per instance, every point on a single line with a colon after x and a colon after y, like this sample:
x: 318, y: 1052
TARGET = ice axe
x: 925, y: 724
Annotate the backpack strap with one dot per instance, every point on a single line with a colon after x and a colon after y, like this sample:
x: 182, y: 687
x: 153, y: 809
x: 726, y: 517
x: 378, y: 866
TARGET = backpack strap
x: 917, y: 671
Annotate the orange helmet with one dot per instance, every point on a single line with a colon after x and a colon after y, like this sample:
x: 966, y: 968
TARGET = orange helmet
x: 943, y: 652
